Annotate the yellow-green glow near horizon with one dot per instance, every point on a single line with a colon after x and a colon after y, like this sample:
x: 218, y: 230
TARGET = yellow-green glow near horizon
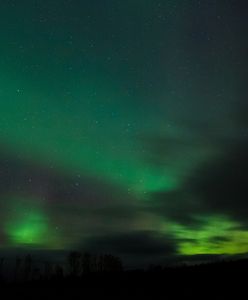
x: 217, y: 235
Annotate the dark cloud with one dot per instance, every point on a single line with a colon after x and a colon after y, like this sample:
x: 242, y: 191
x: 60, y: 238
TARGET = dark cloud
x: 77, y: 204
x: 217, y: 187
x: 219, y: 239
x: 223, y: 184
x: 163, y: 151
x: 22, y: 177
x: 143, y: 246
x: 179, y: 206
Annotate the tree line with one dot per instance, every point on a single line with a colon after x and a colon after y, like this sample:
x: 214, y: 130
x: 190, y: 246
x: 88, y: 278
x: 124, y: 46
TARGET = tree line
x: 76, y: 264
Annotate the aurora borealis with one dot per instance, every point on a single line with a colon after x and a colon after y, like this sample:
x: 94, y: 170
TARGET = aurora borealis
x: 123, y: 127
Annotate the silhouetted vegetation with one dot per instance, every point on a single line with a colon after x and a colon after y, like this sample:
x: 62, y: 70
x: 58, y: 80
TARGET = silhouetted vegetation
x: 86, y: 263
x: 99, y: 275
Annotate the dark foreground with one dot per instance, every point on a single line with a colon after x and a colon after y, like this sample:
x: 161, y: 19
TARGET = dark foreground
x: 210, y: 280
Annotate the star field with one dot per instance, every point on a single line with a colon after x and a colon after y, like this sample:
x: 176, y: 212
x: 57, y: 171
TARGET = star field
x: 124, y: 121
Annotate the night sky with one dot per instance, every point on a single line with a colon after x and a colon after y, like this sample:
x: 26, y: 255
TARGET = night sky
x: 123, y: 127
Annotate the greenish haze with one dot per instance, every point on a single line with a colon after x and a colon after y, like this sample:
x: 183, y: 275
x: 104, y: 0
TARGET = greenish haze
x: 121, y: 118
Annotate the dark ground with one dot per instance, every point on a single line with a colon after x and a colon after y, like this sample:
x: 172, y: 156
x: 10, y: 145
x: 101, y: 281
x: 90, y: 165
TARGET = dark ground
x: 216, y: 280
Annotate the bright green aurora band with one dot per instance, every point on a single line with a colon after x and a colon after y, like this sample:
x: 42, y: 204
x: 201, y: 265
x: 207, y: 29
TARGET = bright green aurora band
x: 116, y: 117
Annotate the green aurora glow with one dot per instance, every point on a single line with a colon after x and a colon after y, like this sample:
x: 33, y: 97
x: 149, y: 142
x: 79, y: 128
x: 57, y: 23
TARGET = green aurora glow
x: 135, y: 99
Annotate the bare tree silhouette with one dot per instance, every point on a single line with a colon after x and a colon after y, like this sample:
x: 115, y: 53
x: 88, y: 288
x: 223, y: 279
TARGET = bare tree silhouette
x: 1, y: 267
x: 28, y: 264
x: 48, y: 270
x: 17, y: 269
x: 74, y: 262
x: 86, y: 263
x: 59, y: 272
x: 112, y: 263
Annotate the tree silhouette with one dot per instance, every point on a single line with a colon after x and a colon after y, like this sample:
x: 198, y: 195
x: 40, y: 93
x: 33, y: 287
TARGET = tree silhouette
x: 17, y: 269
x: 86, y: 261
x: 100, y: 264
x: 28, y: 264
x: 59, y: 272
x: 112, y: 263
x: 48, y: 270
x: 74, y: 262
x: 1, y: 267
